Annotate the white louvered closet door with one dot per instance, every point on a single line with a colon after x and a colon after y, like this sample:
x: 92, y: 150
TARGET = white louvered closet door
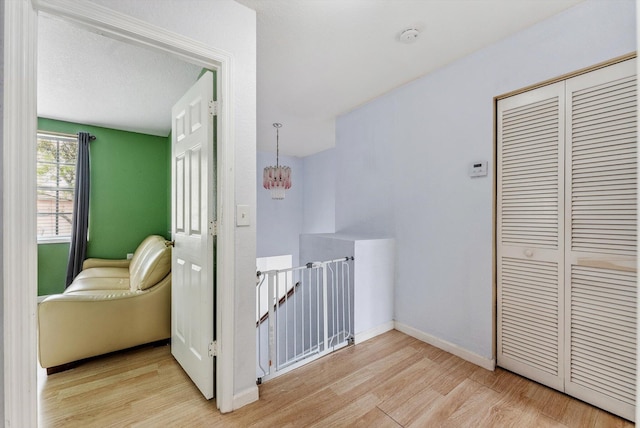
x: 530, y: 241
x: 600, y: 278
x: 566, y: 236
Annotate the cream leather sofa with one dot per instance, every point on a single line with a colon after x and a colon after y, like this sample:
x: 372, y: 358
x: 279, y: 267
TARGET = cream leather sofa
x: 111, y: 305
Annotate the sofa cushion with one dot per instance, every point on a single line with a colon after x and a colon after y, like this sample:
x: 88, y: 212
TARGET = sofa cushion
x: 104, y: 272
x: 93, y: 262
x: 150, y: 263
x: 86, y: 284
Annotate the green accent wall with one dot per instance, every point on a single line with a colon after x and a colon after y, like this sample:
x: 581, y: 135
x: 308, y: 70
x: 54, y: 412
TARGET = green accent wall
x: 130, y: 196
x: 52, y: 267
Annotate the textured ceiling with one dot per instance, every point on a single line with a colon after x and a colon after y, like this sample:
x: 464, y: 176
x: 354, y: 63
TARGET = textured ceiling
x: 87, y: 78
x: 316, y: 59
x: 320, y: 58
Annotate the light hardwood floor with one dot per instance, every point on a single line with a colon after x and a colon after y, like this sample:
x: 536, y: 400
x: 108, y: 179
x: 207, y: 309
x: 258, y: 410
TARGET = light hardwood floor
x: 392, y: 380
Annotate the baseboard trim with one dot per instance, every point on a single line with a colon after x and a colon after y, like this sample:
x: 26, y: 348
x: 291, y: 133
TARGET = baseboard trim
x: 373, y: 332
x: 472, y: 357
x: 245, y: 397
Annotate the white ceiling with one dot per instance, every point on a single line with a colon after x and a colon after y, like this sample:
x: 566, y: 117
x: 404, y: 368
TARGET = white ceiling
x: 320, y: 58
x: 316, y: 59
x: 87, y: 78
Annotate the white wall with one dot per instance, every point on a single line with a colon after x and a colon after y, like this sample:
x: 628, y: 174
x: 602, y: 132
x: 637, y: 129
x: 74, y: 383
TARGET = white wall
x: 227, y: 25
x: 279, y: 222
x: 1, y: 210
x: 403, y: 162
x: 371, y: 278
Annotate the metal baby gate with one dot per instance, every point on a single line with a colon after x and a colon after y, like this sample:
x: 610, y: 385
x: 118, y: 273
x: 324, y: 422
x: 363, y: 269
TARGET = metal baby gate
x: 302, y: 314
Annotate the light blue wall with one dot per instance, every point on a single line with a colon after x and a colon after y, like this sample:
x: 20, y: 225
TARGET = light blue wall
x: 319, y: 211
x: 279, y: 222
x: 403, y: 159
x: 308, y: 207
x: 365, y: 149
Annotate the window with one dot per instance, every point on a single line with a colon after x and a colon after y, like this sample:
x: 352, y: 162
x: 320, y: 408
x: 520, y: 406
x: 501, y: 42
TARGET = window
x: 56, y: 171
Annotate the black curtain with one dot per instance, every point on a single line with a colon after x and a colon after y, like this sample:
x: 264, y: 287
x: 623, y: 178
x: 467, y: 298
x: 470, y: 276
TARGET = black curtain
x: 80, y: 224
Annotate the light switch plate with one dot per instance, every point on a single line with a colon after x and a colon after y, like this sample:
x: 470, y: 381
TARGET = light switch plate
x: 242, y: 215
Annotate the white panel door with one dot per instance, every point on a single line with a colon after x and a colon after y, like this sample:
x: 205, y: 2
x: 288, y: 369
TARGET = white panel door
x: 530, y: 234
x: 601, y: 283
x: 193, y: 199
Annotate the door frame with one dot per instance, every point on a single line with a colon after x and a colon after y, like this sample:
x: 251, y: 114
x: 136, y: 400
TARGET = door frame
x: 19, y: 248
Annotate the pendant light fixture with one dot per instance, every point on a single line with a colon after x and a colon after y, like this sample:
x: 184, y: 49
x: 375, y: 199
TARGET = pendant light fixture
x: 277, y: 178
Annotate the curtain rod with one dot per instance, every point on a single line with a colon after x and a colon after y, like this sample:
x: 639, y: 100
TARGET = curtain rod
x: 57, y: 134
x: 63, y: 134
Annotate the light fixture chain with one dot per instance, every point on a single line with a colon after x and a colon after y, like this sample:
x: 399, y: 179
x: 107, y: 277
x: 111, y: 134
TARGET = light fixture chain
x: 277, y: 126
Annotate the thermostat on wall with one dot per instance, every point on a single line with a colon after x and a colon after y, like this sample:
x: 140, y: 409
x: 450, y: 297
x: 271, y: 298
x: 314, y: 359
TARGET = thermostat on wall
x: 478, y: 169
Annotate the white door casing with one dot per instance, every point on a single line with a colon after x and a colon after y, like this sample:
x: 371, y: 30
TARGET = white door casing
x: 193, y: 191
x: 20, y: 48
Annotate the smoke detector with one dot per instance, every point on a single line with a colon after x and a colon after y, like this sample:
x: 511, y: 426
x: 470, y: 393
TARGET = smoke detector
x: 409, y: 35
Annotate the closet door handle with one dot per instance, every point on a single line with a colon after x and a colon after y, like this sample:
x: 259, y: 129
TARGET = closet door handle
x: 528, y: 253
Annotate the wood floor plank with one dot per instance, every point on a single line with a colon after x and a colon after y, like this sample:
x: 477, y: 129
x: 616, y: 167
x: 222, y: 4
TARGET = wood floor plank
x: 343, y: 417
x: 305, y: 412
x: 556, y: 404
x: 390, y: 381
x: 607, y: 420
x: 445, y: 406
x: 579, y: 414
x: 543, y: 399
x: 403, y: 380
x: 414, y: 407
x: 506, y: 414
x: 481, y: 408
x: 375, y: 418
x: 367, y: 378
x: 424, y: 375
x: 453, y: 371
x: 531, y: 418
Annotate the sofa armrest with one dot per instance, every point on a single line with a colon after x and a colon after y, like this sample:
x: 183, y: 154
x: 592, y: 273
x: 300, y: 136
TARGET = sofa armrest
x: 92, y: 263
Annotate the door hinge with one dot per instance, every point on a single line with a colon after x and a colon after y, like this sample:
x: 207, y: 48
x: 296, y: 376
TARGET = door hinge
x: 213, y: 348
x: 213, y: 228
x: 213, y: 108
